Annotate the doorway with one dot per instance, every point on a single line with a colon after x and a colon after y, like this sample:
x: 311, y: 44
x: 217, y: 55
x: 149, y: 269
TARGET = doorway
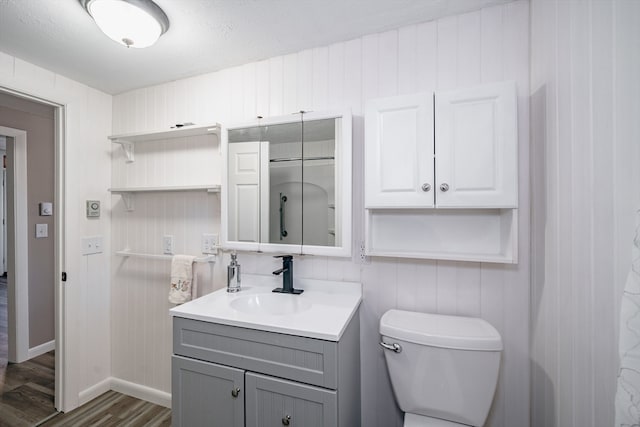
x: 31, y: 330
x: 17, y: 246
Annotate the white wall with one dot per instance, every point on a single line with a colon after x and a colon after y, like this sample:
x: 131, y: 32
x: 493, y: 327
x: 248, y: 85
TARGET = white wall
x: 483, y: 46
x: 585, y: 181
x: 86, y: 169
x: 141, y: 350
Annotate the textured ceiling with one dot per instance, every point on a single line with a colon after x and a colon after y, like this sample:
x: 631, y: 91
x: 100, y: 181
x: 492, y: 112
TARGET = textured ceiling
x: 205, y: 35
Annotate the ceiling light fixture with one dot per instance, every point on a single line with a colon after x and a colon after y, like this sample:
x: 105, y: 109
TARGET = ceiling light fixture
x: 133, y: 23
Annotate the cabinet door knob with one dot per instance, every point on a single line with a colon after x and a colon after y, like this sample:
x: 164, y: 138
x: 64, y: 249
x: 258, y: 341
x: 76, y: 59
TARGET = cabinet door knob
x: 426, y: 187
x: 444, y: 187
x: 235, y: 392
x: 286, y: 420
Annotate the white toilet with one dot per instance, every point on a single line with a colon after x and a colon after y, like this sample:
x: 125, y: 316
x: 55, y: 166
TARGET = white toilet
x: 444, y: 369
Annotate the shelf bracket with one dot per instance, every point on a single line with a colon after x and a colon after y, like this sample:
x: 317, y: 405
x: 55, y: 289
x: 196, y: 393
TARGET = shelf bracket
x: 127, y: 146
x: 127, y: 198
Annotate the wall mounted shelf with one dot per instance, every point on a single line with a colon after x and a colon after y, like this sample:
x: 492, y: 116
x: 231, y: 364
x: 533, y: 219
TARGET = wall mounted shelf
x: 128, y: 140
x: 127, y: 193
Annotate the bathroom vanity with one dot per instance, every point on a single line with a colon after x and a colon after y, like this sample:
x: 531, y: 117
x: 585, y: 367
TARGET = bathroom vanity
x: 257, y: 358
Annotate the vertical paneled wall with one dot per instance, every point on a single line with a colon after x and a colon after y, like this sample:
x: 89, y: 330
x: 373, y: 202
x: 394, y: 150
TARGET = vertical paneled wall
x: 85, y: 171
x: 140, y: 287
x: 585, y: 191
x: 483, y: 46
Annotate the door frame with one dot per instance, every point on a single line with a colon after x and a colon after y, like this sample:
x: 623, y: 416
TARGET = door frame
x: 59, y: 201
x: 18, y: 258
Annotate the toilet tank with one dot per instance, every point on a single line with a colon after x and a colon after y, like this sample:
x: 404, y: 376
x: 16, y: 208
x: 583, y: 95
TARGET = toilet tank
x: 448, y: 366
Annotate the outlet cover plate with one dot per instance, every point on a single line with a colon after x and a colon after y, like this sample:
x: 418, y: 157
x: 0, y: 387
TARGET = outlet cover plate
x: 92, y: 245
x: 167, y: 245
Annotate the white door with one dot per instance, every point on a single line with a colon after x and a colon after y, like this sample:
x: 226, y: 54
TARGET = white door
x: 477, y: 147
x: 244, y: 191
x: 399, y: 152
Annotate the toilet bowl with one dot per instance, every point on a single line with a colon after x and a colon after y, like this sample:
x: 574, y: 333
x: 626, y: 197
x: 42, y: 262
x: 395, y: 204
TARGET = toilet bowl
x: 443, y: 369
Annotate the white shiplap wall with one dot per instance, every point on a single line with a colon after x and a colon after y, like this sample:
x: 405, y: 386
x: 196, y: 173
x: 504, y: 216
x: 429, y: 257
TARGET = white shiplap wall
x: 84, y: 298
x: 586, y: 188
x: 488, y: 45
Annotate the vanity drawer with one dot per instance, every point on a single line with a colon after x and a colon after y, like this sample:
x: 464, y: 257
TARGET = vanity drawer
x: 306, y: 360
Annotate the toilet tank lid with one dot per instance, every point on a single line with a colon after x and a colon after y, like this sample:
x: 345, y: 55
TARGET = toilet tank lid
x: 438, y: 330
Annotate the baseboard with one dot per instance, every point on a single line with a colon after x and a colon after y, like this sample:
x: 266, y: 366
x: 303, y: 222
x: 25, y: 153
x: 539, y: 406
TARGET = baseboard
x: 141, y: 392
x: 41, y: 349
x: 94, y: 391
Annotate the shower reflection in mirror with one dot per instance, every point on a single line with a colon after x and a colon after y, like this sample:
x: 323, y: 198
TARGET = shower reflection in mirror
x: 282, y: 183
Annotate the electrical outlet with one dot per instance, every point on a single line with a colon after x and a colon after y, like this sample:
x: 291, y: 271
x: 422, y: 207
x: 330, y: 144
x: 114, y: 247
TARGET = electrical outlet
x: 167, y: 245
x: 209, y: 243
x: 364, y: 259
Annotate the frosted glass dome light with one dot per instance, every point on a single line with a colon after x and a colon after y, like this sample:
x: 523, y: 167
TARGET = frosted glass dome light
x: 132, y: 23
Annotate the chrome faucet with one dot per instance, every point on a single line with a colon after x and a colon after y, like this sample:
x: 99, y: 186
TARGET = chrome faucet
x: 287, y: 276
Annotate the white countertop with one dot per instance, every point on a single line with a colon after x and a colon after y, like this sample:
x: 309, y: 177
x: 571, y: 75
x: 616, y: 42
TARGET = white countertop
x: 330, y: 305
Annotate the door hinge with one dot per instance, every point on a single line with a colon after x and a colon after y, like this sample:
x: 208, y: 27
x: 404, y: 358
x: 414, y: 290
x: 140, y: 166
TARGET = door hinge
x: 64, y: 276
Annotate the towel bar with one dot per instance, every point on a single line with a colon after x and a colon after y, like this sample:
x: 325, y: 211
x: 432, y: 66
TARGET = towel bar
x: 208, y: 258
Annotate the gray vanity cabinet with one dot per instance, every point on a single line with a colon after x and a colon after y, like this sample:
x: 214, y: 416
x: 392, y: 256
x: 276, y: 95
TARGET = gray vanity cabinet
x: 203, y: 392
x: 231, y: 376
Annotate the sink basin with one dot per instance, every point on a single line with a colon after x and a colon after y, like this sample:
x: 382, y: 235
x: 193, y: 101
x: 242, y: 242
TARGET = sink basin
x: 321, y: 312
x: 273, y: 304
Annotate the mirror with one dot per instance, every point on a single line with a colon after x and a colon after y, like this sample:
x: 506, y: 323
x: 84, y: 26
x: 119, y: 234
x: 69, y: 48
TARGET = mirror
x: 288, y: 185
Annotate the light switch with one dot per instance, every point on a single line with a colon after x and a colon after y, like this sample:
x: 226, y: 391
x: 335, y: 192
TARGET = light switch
x: 42, y: 230
x: 91, y: 245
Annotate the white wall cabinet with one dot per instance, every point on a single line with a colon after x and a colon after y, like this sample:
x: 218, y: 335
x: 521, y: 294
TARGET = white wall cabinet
x: 287, y: 184
x: 441, y: 174
x: 462, y: 153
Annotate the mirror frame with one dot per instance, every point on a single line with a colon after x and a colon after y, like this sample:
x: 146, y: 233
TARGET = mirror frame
x: 343, y: 170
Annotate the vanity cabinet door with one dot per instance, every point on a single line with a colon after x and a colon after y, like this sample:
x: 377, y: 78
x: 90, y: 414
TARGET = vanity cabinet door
x: 476, y: 147
x: 206, y: 394
x: 399, y: 152
x: 272, y: 402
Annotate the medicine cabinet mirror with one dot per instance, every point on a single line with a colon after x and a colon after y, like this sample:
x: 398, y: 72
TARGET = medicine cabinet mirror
x: 287, y: 185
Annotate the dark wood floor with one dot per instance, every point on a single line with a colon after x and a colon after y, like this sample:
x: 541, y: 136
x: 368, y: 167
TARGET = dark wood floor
x: 114, y: 409
x: 28, y: 392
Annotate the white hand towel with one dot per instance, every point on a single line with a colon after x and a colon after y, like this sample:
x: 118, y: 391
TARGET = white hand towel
x: 181, y: 279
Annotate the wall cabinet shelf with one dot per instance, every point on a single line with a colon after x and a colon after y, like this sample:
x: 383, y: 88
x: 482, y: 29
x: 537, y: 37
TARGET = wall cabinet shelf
x: 441, y: 175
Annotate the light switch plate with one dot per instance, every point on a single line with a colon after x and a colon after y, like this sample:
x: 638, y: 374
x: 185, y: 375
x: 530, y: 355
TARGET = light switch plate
x: 93, y: 208
x: 167, y: 245
x: 92, y: 245
x: 42, y: 230
x: 209, y: 243
x: 46, y: 208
